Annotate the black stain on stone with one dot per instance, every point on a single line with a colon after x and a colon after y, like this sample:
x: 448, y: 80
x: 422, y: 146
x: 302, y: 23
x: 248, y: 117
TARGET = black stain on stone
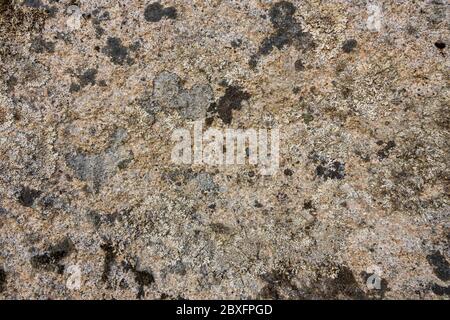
x: 345, y: 283
x: 257, y: 204
x: 2, y: 280
x: 74, y: 87
x: 307, y: 118
x: 441, y: 267
x: 220, y: 228
x: 99, y: 31
x: 299, y: 66
x: 288, y: 172
x: 50, y: 259
x: 231, y: 100
x: 37, y: 4
x: 33, y: 3
x: 116, y: 51
x: 90, y: 168
x: 11, y: 82
x: 110, y: 256
x: 5, y: 5
x: 155, y: 12
x: 307, y: 205
x: 39, y: 45
x: 287, y: 32
x: 384, y: 152
x: 96, y: 21
x: 277, y: 281
x: 142, y: 277
x: 95, y: 218
x: 440, y: 290
x: 27, y: 196
x: 48, y: 202
x: 349, y: 45
x: 440, y: 45
x: 333, y: 170
x: 88, y: 77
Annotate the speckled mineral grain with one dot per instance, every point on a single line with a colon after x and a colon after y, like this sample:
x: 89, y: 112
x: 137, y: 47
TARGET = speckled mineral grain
x: 92, y: 207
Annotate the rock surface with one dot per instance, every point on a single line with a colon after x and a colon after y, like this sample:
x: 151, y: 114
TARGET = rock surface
x: 89, y: 98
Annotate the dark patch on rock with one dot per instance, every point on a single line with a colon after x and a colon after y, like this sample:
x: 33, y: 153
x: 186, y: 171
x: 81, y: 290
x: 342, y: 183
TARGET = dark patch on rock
x: 349, y: 45
x: 346, y: 92
x: 96, y: 21
x: 135, y: 46
x: 88, y: 77
x: 5, y: 5
x: 110, y: 255
x: 33, y: 3
x: 307, y: 118
x: 220, y: 228
x: 37, y: 4
x: 99, y: 31
x: 17, y: 21
x: 48, y: 202
x: 50, y: 259
x: 298, y: 65
x: 288, y: 172
x: 231, y: 100
x: 142, y: 277
x: 281, y: 196
x: 104, y: 16
x: 116, y: 51
x: 27, y: 196
x: 287, y: 32
x: 440, y: 290
x: 334, y: 170
x: 95, y: 218
x: 384, y: 152
x: 169, y: 93
x: 307, y: 205
x: 11, y: 82
x: 441, y: 267
x: 345, y: 283
x: 269, y: 292
x: 179, y: 268
x: 74, y: 87
x: 88, y: 168
x: 155, y: 12
x: 279, y: 281
x: 258, y: 204
x: 39, y: 45
x: 2, y: 280
x: 440, y: 45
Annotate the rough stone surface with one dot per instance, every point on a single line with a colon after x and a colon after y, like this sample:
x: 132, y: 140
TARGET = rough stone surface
x: 86, y: 117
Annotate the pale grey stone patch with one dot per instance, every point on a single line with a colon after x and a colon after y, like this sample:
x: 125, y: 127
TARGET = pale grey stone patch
x: 168, y: 93
x: 97, y: 168
x: 205, y: 182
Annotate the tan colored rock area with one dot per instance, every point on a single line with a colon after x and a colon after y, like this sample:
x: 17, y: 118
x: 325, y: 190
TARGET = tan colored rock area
x: 359, y: 90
